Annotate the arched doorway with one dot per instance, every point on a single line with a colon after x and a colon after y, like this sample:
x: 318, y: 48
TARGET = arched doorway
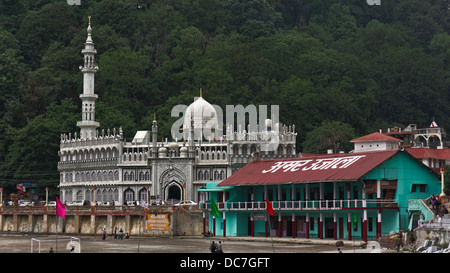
x: 173, y: 194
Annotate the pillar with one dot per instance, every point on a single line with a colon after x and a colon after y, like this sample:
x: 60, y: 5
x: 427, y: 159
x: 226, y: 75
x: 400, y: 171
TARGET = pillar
x: 349, y: 226
x: 364, y: 226
x: 214, y: 225
x: 266, y: 227
x: 335, y: 226
x: 378, y: 193
x: 30, y: 222
x: 379, y: 224
x: 252, y: 223
x: 280, y: 225
x: 204, y: 223
x: 294, y: 230
x: 321, y: 226
x: 93, y: 231
x: 307, y: 226
x: 224, y: 225
x: 364, y: 223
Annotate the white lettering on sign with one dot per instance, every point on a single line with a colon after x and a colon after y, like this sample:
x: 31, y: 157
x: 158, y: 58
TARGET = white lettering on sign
x: 314, y: 164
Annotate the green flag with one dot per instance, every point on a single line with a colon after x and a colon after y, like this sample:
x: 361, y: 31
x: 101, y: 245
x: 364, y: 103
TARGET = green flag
x: 354, y: 220
x: 214, y: 209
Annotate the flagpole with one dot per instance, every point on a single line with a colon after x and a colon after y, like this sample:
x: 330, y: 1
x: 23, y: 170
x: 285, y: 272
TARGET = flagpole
x: 57, y: 233
x: 270, y: 232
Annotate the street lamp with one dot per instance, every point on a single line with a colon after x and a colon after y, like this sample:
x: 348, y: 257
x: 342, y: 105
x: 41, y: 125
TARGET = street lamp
x: 1, y: 197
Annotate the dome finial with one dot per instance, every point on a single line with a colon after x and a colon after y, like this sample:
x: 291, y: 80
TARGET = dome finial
x: 89, y: 20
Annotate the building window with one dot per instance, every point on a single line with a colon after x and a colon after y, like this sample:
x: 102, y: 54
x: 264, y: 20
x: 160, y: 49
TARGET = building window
x: 418, y: 188
x: 200, y: 175
x: 216, y: 175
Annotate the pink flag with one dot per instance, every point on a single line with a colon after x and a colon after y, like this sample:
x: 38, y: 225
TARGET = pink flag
x: 60, y: 208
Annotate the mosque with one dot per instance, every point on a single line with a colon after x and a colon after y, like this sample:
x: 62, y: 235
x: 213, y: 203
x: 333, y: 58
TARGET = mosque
x: 102, y: 166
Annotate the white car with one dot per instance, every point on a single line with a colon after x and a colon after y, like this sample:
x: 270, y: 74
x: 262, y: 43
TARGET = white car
x: 187, y: 203
x: 25, y: 203
x: 51, y: 203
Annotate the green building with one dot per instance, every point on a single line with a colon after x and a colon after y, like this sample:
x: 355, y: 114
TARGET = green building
x: 356, y: 196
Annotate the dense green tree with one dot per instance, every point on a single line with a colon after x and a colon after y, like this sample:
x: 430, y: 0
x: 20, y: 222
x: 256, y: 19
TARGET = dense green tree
x: 334, y: 135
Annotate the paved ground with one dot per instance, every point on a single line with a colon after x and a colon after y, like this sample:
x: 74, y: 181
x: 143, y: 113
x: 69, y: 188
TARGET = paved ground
x: 94, y: 244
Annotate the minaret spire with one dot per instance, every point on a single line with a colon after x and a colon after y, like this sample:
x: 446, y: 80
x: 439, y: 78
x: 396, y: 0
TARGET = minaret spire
x: 88, y: 125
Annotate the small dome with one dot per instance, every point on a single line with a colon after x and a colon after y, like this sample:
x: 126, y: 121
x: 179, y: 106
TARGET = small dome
x: 173, y: 146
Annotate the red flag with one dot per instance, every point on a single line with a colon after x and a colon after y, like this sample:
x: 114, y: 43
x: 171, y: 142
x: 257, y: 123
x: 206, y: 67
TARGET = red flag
x: 270, y: 208
x: 60, y: 208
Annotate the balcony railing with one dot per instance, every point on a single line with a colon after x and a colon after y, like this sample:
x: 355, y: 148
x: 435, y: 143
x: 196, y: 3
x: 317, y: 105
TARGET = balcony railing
x: 301, y: 205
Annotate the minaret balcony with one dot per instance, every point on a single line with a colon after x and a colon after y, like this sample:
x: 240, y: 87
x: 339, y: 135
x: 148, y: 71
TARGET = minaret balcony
x: 88, y: 123
x: 88, y: 96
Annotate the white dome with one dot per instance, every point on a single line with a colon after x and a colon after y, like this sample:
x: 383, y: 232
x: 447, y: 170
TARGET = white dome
x: 204, y: 116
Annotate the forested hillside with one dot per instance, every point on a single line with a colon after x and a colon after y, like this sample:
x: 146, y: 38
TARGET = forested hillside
x: 341, y: 66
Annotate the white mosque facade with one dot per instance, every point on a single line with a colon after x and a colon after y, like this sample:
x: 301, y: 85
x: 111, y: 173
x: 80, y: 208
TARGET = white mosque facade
x: 102, y: 166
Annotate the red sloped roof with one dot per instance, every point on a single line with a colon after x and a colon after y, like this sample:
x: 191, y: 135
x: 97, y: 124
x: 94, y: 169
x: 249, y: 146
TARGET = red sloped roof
x: 375, y: 136
x: 442, y: 154
x: 334, y: 167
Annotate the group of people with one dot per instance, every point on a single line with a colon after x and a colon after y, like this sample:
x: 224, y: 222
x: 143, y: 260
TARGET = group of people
x: 116, y: 234
x: 216, y: 248
x: 436, y: 203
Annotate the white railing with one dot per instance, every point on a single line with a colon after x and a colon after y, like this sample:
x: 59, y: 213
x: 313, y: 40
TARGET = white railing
x: 293, y: 205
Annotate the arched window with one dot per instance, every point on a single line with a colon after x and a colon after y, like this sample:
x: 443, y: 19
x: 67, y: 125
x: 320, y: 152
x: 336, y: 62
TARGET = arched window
x: 129, y: 195
x: 200, y: 175
x: 125, y: 176
x: 79, y: 195
x: 147, y: 176
x: 216, y: 175
x: 132, y: 176
x: 222, y: 175
x: 280, y: 150
x: 141, y: 176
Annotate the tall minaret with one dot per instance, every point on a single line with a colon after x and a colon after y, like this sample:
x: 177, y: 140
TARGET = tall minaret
x: 88, y: 124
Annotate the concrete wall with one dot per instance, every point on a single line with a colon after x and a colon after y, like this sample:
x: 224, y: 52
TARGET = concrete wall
x: 182, y: 221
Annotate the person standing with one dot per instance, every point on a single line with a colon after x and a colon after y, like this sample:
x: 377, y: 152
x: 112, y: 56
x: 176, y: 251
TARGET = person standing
x: 219, y: 247
x: 213, y: 247
x: 104, y: 234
